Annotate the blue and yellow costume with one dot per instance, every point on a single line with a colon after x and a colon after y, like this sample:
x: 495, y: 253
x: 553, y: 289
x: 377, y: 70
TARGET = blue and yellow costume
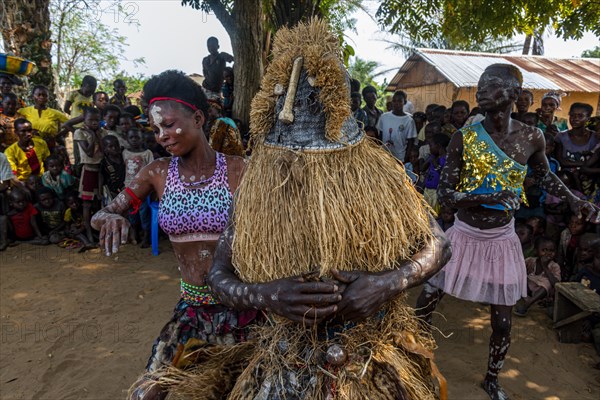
x: 487, y: 169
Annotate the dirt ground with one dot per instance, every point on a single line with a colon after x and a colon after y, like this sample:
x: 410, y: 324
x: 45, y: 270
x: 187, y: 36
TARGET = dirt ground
x: 81, y: 326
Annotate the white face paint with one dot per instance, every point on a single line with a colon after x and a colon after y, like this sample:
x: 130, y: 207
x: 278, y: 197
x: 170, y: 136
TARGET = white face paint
x: 158, y: 119
x: 178, y: 131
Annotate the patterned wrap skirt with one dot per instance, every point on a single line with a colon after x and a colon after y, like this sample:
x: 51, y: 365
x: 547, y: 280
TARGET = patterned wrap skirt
x: 212, y: 324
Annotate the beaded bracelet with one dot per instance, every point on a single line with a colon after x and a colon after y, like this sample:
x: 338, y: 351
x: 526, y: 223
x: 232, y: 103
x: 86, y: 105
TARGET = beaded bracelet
x: 197, y: 295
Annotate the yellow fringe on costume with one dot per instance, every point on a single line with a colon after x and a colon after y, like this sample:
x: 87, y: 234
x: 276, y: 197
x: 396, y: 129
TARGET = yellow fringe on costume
x: 321, y: 52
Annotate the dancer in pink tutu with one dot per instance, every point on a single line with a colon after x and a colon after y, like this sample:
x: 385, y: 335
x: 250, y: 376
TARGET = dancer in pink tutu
x: 483, y: 178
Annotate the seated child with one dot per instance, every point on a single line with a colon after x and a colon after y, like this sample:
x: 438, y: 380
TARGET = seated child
x: 61, y: 152
x: 75, y: 223
x: 112, y: 169
x: 56, y: 178
x: 525, y: 234
x: 52, y: 213
x: 32, y: 185
x: 542, y: 274
x: 446, y: 217
x: 584, y: 255
x: 136, y: 158
x: 589, y: 277
x: 538, y: 224
x: 568, y: 244
x: 22, y: 221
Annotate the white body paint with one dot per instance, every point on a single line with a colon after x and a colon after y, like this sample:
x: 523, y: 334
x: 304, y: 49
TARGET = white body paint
x: 158, y: 119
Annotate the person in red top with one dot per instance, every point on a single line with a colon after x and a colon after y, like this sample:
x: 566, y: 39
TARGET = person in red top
x: 22, y: 224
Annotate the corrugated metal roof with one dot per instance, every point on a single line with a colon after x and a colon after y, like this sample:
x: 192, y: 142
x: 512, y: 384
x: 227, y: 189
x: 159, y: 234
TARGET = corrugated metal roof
x: 463, y: 69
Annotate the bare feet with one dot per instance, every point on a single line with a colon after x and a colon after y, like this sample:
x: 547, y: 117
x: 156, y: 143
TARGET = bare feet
x: 494, y: 390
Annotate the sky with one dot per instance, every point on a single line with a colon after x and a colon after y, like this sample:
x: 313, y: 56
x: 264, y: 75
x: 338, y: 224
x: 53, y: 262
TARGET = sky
x: 170, y: 36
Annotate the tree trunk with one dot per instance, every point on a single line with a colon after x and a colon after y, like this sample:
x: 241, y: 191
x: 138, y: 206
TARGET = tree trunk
x: 25, y: 29
x: 538, y: 43
x: 527, y: 44
x: 247, y: 43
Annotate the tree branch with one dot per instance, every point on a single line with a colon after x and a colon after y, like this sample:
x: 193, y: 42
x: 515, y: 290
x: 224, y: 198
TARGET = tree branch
x: 222, y: 15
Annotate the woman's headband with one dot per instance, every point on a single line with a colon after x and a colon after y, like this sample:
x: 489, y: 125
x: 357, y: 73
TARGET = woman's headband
x: 185, y: 103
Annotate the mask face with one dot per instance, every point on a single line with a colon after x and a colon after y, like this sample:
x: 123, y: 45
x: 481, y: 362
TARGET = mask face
x: 308, y: 129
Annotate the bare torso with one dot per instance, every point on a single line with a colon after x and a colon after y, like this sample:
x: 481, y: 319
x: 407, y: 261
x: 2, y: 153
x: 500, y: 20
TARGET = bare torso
x: 520, y: 143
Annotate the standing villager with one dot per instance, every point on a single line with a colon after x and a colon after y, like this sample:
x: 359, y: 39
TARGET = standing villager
x: 213, y: 66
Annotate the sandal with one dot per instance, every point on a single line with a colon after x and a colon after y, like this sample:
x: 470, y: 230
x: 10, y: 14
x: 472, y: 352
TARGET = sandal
x: 520, y: 310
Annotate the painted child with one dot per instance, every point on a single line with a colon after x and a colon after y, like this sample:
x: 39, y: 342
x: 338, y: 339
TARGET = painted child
x: 542, y: 274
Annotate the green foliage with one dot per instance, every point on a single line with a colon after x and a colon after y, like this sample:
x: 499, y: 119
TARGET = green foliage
x: 463, y: 22
x: 365, y: 72
x: 83, y: 45
x: 591, y: 53
x: 289, y: 12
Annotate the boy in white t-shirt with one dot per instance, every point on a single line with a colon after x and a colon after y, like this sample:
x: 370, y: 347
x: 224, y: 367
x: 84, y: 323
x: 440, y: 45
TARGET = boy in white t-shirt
x: 397, y: 129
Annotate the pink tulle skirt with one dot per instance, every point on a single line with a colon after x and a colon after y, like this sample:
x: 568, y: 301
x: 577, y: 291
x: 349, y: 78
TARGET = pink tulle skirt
x: 487, y: 265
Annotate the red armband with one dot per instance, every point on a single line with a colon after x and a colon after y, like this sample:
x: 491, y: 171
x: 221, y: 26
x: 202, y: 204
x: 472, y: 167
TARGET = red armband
x: 135, y: 201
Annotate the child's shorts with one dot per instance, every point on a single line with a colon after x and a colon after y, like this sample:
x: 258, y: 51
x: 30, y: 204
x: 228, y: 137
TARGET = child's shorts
x: 88, y: 184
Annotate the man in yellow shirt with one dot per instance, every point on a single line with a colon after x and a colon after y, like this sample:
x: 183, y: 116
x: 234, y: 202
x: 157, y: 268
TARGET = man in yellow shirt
x: 26, y: 157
